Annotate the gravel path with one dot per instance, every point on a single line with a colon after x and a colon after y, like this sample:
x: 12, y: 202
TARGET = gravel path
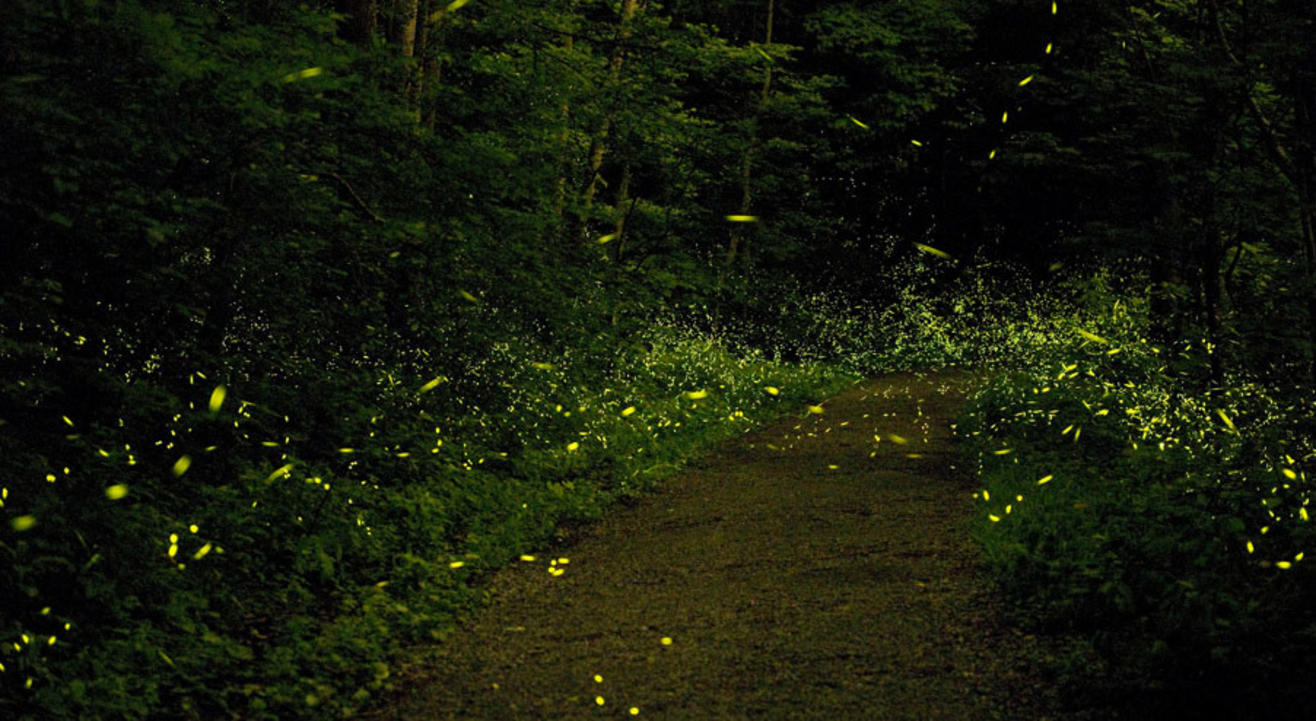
x: 805, y: 571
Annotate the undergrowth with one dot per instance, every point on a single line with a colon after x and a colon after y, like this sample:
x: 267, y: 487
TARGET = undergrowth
x: 1157, y: 521
x: 211, y: 553
x: 270, y: 548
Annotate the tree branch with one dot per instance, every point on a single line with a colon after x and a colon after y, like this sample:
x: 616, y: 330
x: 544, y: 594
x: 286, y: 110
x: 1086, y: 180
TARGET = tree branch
x: 1279, y: 155
x: 351, y: 192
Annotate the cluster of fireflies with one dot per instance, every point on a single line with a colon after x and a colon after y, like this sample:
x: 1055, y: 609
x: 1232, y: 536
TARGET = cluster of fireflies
x: 801, y: 433
x: 991, y: 155
x: 1153, y: 422
x: 597, y: 698
x: 540, y: 419
x: 1005, y: 114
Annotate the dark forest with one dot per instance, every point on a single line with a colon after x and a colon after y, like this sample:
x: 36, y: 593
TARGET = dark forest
x: 315, y: 318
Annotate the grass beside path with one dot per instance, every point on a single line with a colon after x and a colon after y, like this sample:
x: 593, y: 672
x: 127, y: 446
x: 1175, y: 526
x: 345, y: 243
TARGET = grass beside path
x: 803, y: 571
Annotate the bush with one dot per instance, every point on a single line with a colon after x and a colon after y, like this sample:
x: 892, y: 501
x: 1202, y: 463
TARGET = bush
x: 1164, y: 522
x: 283, y: 569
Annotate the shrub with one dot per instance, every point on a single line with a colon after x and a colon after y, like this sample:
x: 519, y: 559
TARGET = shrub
x: 1166, y: 523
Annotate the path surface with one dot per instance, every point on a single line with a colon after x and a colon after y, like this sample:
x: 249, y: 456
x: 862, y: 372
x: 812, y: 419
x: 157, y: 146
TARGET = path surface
x: 796, y: 575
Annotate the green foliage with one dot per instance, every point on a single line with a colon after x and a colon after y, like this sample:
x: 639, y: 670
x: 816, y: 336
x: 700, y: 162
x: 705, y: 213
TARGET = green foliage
x: 1168, y: 524
x: 934, y: 314
x: 901, y: 51
x: 428, y: 359
x: 291, y: 584
x: 434, y: 272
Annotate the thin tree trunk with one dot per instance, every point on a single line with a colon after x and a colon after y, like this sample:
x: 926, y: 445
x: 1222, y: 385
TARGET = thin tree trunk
x: 621, y: 212
x: 564, y: 153
x: 1305, y: 180
x: 363, y: 19
x: 738, y: 233
x: 431, y: 70
x: 1167, y: 263
x: 1297, y: 164
x: 1212, y: 254
x: 409, y: 24
x: 1212, y: 260
x: 424, y: 33
x: 564, y: 162
x: 599, y: 147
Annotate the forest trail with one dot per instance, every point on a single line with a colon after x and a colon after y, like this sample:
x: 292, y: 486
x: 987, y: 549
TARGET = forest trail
x: 796, y: 576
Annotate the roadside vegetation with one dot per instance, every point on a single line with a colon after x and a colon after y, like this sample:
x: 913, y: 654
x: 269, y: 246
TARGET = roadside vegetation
x: 311, y: 315
x: 1156, y: 523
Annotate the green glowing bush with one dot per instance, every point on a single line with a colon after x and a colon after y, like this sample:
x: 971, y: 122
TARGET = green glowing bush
x: 282, y: 570
x: 1167, y: 523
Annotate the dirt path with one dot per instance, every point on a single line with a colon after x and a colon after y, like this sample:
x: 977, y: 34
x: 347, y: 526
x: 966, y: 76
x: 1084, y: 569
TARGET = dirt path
x: 796, y: 576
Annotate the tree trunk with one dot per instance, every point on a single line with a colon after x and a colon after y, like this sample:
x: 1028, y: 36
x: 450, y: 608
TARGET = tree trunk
x: 564, y: 153
x: 622, y: 211
x: 1170, y: 231
x: 1212, y: 258
x: 363, y: 19
x: 738, y: 233
x: 409, y: 23
x: 599, y: 147
x: 1296, y: 161
x: 1303, y: 154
